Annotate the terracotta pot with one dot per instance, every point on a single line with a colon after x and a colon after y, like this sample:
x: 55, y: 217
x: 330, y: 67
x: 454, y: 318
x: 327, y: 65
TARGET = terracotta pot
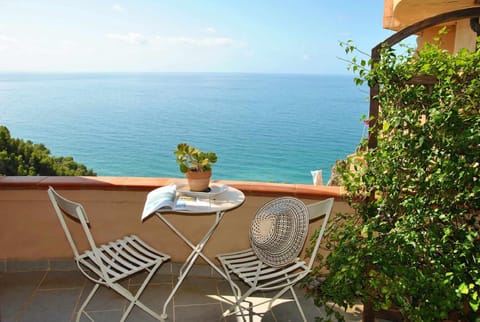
x: 198, y: 180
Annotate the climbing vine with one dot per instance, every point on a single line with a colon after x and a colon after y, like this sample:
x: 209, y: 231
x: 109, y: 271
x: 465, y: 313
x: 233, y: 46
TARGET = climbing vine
x: 413, y: 242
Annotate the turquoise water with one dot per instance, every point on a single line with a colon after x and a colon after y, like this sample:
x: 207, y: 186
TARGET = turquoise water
x: 263, y: 127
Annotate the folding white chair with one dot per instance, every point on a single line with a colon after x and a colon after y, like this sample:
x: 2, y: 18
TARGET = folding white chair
x: 269, y: 268
x: 110, y: 263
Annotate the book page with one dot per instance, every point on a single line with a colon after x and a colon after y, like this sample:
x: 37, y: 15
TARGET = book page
x: 160, y: 198
x: 190, y: 203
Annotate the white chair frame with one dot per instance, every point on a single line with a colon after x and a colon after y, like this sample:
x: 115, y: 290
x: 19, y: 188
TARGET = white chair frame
x: 262, y: 277
x: 110, y: 263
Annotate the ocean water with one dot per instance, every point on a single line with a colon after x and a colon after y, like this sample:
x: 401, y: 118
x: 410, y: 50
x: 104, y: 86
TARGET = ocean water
x: 263, y: 127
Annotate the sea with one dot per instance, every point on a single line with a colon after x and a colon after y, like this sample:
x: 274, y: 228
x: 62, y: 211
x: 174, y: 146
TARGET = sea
x: 263, y: 127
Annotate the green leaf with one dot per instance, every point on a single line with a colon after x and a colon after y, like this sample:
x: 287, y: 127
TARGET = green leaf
x: 463, y: 288
x: 386, y: 126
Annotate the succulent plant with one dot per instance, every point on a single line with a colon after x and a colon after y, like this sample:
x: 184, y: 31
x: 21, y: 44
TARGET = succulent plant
x: 190, y: 158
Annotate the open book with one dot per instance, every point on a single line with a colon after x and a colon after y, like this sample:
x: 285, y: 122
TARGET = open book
x: 166, y: 199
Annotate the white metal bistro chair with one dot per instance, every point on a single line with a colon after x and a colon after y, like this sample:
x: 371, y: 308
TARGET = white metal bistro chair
x: 110, y: 263
x: 277, y: 236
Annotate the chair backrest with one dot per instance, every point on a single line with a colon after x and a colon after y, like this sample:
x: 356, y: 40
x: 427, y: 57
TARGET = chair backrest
x: 64, y: 207
x: 316, y: 210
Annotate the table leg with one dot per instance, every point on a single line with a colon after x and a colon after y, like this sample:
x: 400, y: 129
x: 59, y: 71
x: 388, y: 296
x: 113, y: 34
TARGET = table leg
x: 196, y: 251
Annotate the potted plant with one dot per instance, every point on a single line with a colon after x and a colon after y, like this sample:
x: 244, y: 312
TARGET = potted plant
x: 196, y: 164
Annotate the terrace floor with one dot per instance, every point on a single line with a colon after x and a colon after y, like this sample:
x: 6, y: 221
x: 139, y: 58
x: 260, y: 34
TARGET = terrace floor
x: 49, y: 295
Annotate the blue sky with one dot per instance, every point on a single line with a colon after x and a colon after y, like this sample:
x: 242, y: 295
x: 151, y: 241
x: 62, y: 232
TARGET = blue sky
x: 261, y: 36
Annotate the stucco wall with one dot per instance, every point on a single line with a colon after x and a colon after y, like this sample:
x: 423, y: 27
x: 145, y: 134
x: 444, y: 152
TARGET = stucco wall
x: 30, y: 230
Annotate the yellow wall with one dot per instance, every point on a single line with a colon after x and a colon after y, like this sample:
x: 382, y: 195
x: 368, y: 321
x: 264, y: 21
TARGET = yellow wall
x: 399, y: 14
x: 447, y: 40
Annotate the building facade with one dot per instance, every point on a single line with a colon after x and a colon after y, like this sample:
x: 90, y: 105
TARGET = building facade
x: 399, y: 14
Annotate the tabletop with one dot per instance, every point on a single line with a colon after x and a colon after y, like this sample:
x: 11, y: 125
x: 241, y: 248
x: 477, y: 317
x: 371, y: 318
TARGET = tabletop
x: 227, y: 200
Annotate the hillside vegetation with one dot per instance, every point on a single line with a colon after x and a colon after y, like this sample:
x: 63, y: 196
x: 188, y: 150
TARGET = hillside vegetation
x: 25, y: 158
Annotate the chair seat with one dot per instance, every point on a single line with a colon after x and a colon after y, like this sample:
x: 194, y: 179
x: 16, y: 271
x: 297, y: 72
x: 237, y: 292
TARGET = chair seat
x: 250, y: 269
x: 122, y: 258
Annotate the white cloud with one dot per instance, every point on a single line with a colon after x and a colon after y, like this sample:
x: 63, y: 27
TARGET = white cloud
x: 211, y: 30
x: 68, y: 43
x: 118, y: 8
x: 134, y: 38
x: 131, y: 38
x: 202, y: 42
x: 68, y: 46
x: 6, y: 42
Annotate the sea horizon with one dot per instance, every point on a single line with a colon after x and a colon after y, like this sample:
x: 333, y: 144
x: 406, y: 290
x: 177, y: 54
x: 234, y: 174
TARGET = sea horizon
x: 271, y: 127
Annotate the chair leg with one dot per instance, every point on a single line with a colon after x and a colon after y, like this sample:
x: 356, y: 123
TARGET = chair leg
x: 85, y: 303
x: 270, y: 301
x: 295, y: 297
x: 239, y: 298
x: 298, y: 304
x: 276, y: 297
x: 134, y: 298
x: 125, y: 293
x: 237, y: 293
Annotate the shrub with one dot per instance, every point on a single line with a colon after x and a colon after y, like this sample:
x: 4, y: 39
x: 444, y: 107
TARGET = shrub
x: 413, y: 241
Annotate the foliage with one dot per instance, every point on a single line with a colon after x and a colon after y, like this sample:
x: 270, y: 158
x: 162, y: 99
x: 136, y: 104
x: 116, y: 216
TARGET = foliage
x: 24, y: 158
x: 413, y: 241
x: 190, y: 158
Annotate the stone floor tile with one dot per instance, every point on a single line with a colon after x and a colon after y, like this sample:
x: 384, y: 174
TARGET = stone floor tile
x: 103, y: 316
x: 259, y: 313
x: 196, y: 290
x: 40, y: 307
x: 224, y: 287
x: 251, y: 317
x: 56, y: 295
x: 138, y: 315
x: 105, y: 299
x: 63, y: 265
x: 288, y: 312
x: 16, y: 290
x: 285, y: 309
x: 154, y: 297
x: 158, y: 278
x: 27, y: 266
x: 62, y: 279
x: 198, y: 313
x: 201, y: 271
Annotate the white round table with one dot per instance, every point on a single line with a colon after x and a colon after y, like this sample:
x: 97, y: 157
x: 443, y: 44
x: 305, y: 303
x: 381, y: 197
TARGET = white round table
x: 217, y: 204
